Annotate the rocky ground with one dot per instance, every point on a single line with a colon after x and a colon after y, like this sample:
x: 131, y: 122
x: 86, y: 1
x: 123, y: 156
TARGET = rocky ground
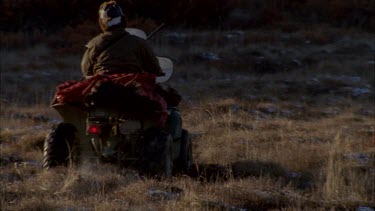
x: 280, y: 120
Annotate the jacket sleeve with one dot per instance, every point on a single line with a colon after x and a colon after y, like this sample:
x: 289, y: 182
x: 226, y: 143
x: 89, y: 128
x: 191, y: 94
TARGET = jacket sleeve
x: 149, y: 61
x: 87, y: 62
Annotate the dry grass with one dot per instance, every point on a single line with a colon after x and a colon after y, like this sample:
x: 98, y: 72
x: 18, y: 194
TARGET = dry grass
x: 291, y: 143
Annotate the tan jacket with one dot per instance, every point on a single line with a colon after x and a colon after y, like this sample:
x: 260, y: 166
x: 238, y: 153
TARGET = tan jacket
x: 123, y: 53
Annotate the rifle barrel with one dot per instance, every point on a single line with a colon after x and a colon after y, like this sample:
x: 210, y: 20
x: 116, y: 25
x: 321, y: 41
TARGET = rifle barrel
x: 155, y: 31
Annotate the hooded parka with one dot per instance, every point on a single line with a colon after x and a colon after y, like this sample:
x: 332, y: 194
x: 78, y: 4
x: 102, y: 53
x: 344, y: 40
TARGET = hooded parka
x: 117, y: 51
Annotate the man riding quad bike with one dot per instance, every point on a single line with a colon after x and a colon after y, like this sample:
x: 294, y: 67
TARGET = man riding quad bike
x: 119, y: 114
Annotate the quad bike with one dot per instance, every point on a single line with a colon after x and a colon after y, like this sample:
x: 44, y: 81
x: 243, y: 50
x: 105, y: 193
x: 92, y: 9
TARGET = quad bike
x: 116, y: 125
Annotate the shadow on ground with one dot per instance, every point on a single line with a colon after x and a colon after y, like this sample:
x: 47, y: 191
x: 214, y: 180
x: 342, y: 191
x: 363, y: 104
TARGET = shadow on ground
x: 244, y: 169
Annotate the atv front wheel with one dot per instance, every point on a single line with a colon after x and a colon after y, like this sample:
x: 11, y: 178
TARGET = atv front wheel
x: 59, y: 146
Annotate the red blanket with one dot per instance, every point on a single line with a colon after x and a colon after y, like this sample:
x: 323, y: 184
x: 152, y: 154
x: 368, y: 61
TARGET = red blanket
x: 78, y: 91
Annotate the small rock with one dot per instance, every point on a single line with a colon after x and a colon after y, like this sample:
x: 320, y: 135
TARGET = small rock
x: 235, y: 108
x: 328, y: 51
x: 357, y: 91
x: 27, y: 163
x: 297, y: 62
x: 341, y: 83
x: 10, y: 177
x: 286, y: 113
x: 293, y: 174
x: 299, y: 105
x: 363, y: 208
x: 258, y: 114
x: 176, y: 38
x: 332, y: 101
x: 367, y: 111
x: 264, y: 195
x: 40, y: 118
x: 239, y: 126
x: 9, y: 159
x: 233, y: 34
x: 250, y: 97
x: 55, y: 120
x: 350, y: 79
x: 5, y: 101
x: 209, y: 56
x: 300, y: 180
x: 27, y: 76
x: 45, y: 73
x: 362, y: 159
x: 159, y: 195
x: 197, y: 134
x: 369, y: 132
x: 270, y: 99
x: 330, y: 111
x: 269, y: 110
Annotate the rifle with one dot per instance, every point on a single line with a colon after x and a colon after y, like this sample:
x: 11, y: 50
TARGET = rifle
x: 155, y: 31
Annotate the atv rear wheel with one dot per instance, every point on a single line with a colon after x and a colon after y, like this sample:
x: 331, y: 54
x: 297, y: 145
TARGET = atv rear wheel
x: 59, y: 146
x: 185, y: 159
x: 157, y: 157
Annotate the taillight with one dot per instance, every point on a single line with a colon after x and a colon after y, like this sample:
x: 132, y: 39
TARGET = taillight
x: 94, y: 129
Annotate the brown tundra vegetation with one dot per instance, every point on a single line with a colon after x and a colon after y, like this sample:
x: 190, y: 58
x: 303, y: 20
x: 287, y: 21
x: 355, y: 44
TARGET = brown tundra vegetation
x: 282, y: 118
